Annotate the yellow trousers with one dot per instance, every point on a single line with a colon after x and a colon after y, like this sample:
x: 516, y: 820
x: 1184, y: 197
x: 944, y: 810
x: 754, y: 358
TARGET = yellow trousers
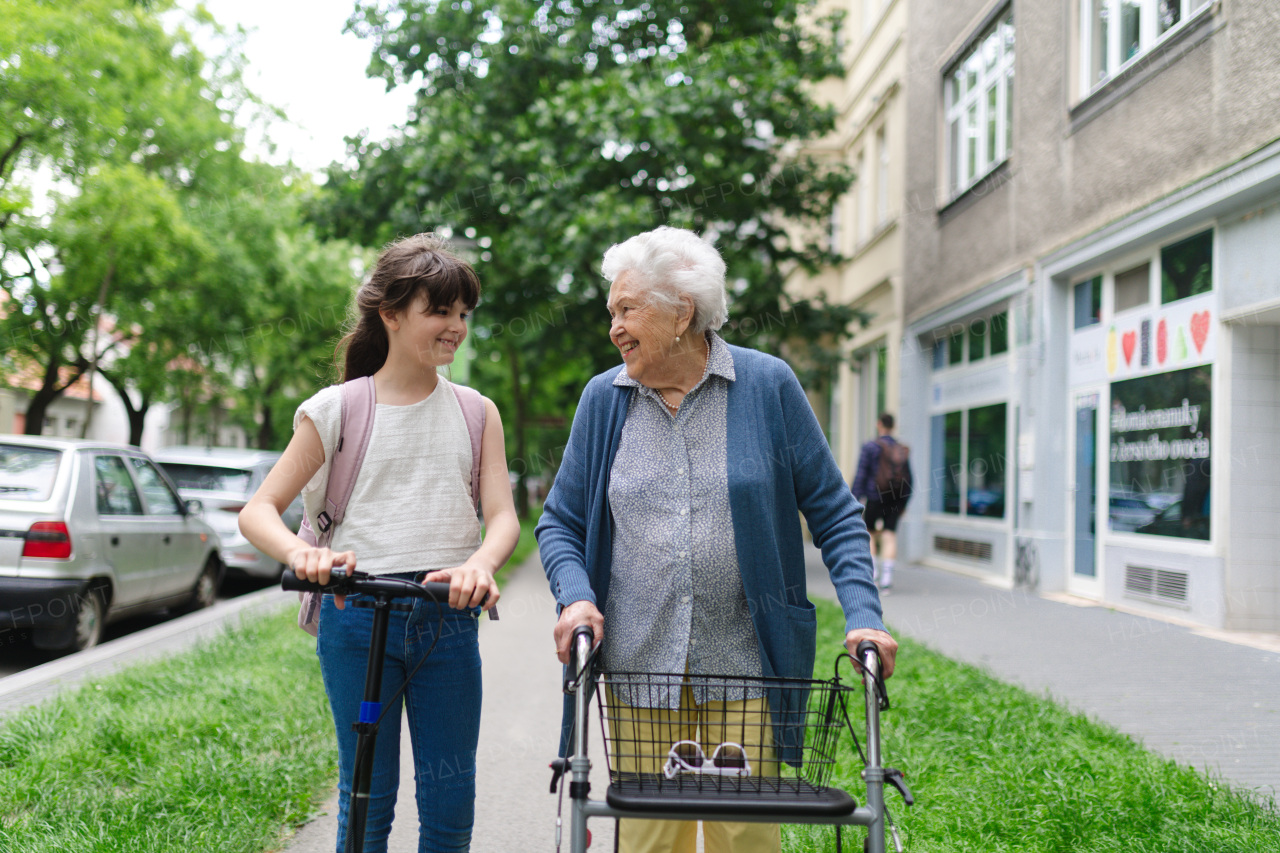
x: 650, y: 732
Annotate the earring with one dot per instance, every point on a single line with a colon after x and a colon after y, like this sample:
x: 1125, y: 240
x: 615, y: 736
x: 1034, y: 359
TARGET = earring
x: 677, y: 339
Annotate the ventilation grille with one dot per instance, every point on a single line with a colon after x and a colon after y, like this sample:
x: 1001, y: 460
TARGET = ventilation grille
x: 1155, y: 584
x: 963, y: 548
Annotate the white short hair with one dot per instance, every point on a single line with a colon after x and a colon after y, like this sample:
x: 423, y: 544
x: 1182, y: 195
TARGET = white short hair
x: 668, y: 263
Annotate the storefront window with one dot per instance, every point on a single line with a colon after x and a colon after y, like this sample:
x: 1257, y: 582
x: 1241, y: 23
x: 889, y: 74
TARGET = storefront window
x: 1133, y: 287
x: 947, y: 447
x: 977, y: 339
x: 1186, y: 267
x: 1088, y: 302
x: 971, y: 342
x: 1160, y: 454
x: 998, y: 331
x: 970, y: 445
x: 984, y: 493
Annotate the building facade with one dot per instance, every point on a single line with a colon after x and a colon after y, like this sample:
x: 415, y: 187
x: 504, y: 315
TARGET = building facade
x: 866, y: 223
x: 1091, y: 352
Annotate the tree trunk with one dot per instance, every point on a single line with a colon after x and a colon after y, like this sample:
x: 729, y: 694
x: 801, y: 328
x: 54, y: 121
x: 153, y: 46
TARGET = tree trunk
x: 49, y: 391
x: 266, y: 430
x: 518, y: 421
x: 137, y: 415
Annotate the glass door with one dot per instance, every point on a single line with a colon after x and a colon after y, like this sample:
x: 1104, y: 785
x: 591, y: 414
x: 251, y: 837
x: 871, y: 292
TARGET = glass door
x: 1084, y: 490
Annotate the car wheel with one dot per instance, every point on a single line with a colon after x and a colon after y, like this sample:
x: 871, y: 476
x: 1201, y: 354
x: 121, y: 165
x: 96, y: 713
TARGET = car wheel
x: 91, y: 617
x: 205, y: 592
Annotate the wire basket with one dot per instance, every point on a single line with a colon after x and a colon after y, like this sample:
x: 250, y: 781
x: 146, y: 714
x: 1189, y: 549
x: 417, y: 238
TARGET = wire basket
x: 721, y: 737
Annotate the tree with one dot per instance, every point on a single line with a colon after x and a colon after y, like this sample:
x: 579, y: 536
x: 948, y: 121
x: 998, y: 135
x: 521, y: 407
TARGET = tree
x: 101, y: 97
x: 166, y: 257
x: 544, y: 132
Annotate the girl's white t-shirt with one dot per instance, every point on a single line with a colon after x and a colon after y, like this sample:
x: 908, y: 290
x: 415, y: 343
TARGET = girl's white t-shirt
x: 411, y: 508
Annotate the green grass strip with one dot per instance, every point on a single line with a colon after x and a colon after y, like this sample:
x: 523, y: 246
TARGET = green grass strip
x: 224, y: 747
x: 215, y: 749
x: 995, y: 768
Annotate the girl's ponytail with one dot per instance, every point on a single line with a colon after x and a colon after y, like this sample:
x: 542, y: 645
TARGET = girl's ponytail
x: 421, y: 263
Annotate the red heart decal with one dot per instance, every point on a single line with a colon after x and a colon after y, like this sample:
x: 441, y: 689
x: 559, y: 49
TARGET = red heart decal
x: 1200, y: 329
x: 1162, y: 342
x: 1129, y: 340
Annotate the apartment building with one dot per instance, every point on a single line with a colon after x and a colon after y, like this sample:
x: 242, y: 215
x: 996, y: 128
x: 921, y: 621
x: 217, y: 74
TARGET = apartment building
x: 1091, y: 281
x: 865, y: 224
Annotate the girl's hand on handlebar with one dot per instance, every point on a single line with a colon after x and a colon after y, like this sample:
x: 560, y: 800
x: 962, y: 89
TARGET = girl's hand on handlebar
x: 887, y: 645
x: 470, y: 585
x: 313, y: 564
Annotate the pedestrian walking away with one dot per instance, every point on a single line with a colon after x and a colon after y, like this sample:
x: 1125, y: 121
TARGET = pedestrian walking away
x: 416, y: 475
x: 883, y: 484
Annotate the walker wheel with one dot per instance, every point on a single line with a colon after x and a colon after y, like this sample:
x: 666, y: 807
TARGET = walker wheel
x: 588, y: 838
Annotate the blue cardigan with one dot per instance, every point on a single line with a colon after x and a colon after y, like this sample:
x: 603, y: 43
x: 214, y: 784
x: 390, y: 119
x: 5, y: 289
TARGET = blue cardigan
x: 779, y: 467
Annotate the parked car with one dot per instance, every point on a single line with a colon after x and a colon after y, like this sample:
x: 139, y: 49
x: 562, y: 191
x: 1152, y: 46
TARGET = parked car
x: 223, y: 479
x: 1171, y: 523
x: 91, y: 532
x: 1127, y: 511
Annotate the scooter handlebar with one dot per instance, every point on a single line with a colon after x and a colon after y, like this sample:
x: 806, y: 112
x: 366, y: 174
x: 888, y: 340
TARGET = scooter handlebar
x: 342, y: 582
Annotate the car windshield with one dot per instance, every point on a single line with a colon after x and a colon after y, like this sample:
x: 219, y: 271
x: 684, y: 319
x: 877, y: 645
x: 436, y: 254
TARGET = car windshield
x: 209, y: 478
x: 27, y: 473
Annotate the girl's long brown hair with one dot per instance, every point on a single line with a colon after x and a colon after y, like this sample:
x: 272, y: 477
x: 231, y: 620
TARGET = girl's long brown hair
x: 409, y: 266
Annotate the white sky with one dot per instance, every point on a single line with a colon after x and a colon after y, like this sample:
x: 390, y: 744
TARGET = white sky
x: 300, y: 60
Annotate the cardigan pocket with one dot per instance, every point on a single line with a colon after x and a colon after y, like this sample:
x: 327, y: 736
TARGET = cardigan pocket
x: 802, y: 641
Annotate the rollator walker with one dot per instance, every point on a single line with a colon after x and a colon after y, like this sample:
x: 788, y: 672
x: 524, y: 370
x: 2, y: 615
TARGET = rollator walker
x: 772, y: 760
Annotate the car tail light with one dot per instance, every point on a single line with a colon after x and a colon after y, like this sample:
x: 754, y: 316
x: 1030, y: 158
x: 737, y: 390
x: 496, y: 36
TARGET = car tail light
x: 49, y: 540
x: 232, y: 508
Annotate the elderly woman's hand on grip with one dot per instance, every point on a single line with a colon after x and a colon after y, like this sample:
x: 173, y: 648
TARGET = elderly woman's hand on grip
x: 887, y: 645
x: 579, y: 613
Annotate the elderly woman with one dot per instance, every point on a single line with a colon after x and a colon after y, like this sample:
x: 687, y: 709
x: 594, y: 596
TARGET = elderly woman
x: 673, y: 527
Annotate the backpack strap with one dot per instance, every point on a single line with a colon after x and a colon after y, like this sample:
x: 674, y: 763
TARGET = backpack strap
x: 359, y: 403
x: 473, y: 413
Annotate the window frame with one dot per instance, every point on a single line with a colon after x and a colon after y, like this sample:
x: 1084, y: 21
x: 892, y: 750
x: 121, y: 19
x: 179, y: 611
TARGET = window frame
x: 962, y: 469
x: 961, y: 335
x: 959, y: 96
x: 1150, y: 38
x: 1152, y: 256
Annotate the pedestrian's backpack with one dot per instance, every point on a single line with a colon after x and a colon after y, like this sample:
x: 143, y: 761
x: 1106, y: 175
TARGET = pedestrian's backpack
x: 893, y: 472
x: 355, y: 427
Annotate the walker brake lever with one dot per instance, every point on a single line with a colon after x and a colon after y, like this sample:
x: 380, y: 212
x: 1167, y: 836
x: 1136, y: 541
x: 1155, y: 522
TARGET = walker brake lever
x: 898, y: 779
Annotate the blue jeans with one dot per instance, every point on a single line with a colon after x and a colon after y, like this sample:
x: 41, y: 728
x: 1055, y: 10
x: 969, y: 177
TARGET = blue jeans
x: 443, y: 705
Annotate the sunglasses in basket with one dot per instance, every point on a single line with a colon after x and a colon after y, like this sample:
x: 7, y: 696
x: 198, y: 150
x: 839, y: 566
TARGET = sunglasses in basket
x: 686, y: 756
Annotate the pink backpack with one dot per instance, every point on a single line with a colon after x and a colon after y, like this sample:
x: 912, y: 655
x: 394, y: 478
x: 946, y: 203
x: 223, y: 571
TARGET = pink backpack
x: 356, y: 425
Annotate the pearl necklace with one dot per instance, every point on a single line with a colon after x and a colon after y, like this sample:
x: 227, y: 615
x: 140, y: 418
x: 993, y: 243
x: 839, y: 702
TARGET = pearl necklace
x: 706, y: 370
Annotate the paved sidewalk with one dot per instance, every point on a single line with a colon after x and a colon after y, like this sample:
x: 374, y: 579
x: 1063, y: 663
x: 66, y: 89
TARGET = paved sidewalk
x: 1191, y: 695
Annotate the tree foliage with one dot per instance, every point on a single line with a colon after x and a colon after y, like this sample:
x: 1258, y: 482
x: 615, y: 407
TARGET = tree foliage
x: 164, y: 260
x: 544, y: 132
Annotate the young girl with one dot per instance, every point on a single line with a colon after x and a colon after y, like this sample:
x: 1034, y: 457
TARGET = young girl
x: 410, y: 515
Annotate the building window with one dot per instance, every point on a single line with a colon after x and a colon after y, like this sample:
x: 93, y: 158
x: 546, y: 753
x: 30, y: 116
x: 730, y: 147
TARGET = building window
x: 835, y: 228
x: 1088, y: 302
x: 1160, y: 454
x: 1176, y: 271
x: 969, y: 343
x: 1116, y: 32
x: 971, y: 446
x: 1133, y: 287
x: 979, y: 106
x: 882, y: 177
x: 862, y: 199
x: 1186, y: 268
